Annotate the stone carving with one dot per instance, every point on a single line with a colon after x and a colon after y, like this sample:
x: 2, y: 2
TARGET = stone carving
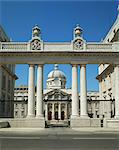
x: 78, y: 44
x: 36, y: 45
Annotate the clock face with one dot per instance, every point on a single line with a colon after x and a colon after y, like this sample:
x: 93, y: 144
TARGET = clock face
x: 36, y: 45
x: 78, y: 44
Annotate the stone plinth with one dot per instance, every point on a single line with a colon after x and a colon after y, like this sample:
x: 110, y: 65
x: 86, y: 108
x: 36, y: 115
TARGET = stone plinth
x: 27, y: 123
x: 80, y: 122
x: 85, y: 122
x: 4, y: 124
x: 112, y: 123
x: 95, y: 122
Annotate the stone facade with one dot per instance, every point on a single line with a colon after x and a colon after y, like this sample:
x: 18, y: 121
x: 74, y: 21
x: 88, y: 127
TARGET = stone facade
x: 106, y: 76
x: 7, y: 80
x: 57, y: 100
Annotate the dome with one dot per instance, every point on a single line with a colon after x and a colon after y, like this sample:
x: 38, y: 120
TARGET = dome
x: 56, y: 73
x: 56, y: 79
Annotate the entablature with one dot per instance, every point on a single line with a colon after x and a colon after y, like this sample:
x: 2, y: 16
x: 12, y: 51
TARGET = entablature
x: 59, y: 46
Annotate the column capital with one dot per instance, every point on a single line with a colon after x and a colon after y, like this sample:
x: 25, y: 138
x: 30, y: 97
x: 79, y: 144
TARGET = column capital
x: 82, y: 65
x: 74, y: 65
x: 31, y: 65
x: 40, y: 65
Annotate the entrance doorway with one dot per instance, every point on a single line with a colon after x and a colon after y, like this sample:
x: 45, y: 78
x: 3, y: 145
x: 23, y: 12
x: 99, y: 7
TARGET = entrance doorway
x: 56, y: 115
x: 62, y: 115
x: 49, y: 115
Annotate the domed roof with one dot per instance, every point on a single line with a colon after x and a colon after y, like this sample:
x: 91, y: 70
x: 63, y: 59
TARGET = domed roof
x: 56, y: 73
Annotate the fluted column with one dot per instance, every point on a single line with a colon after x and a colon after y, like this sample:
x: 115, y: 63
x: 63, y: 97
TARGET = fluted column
x: 31, y: 92
x: 59, y: 111
x: 83, y: 92
x: 116, y: 72
x: 39, y: 99
x: 75, y: 99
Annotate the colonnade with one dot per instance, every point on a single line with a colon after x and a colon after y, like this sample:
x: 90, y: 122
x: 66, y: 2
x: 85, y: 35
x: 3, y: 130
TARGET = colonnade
x: 58, y: 109
x: 75, y: 98
x: 83, y: 92
x: 39, y: 97
x: 54, y: 109
x: 31, y: 92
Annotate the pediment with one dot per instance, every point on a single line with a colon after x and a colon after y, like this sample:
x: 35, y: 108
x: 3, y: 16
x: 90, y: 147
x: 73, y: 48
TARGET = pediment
x: 57, y: 94
x: 56, y: 91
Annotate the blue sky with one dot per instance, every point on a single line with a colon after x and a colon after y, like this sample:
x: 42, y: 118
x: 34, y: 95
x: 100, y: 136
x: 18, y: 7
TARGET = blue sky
x: 57, y: 20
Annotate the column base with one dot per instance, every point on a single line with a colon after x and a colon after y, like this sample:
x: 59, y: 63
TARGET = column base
x: 116, y: 117
x: 112, y: 123
x: 27, y: 123
x: 74, y: 116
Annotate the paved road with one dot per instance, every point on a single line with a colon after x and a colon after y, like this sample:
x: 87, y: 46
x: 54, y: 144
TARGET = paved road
x: 61, y: 139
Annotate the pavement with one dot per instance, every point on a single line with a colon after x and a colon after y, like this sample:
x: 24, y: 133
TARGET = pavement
x: 59, y: 139
x: 47, y: 132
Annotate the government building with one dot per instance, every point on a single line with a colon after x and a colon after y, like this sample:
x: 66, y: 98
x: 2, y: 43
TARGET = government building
x: 7, y: 82
x: 57, y: 99
x: 34, y: 106
x: 106, y: 76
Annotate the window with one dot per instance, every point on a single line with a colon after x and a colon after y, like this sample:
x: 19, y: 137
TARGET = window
x: 16, y: 113
x: 16, y: 105
x: 96, y: 104
x: 4, y: 82
x: 22, y: 113
x: 22, y: 105
x: 8, y: 85
x: 97, y: 116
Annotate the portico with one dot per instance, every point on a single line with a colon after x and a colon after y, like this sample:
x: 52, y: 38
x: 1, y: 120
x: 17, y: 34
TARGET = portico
x: 78, y: 52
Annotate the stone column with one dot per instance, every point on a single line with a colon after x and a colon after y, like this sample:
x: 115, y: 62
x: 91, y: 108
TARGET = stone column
x: 100, y: 98
x: 75, y: 99
x: 83, y: 92
x: 31, y: 92
x: 108, y: 107
x: 116, y: 71
x: 46, y: 111
x: 66, y: 111
x: 39, y: 99
x: 59, y: 111
x: 53, y: 111
x: 7, y: 101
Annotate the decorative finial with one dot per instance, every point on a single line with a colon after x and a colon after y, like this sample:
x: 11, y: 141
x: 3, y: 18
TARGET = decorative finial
x: 56, y: 67
x: 36, y: 31
x: 77, y: 31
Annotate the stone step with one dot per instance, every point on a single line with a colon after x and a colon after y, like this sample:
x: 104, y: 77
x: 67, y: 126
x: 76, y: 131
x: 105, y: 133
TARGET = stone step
x: 4, y: 124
